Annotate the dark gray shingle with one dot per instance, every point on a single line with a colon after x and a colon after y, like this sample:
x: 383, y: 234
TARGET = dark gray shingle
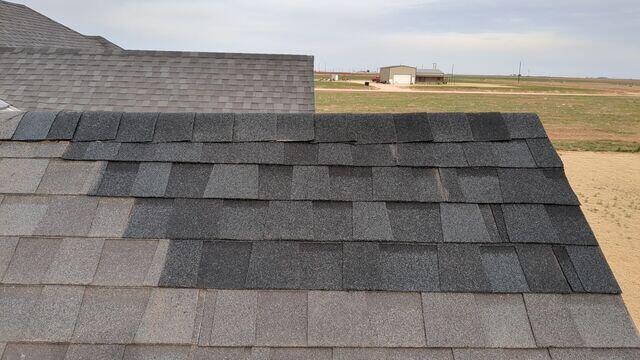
x: 64, y: 126
x: 98, y: 125
x: 544, y: 153
x: 224, y: 264
x: 488, y: 127
x: 188, y: 180
x: 173, y: 127
x: 137, y: 127
x: 461, y: 268
x: 35, y: 125
x: 592, y: 269
x: 182, y: 264
x: 542, y: 270
x: 412, y: 127
x: 118, y: 178
x: 320, y: 266
x: 194, y: 219
x: 415, y: 222
x: 213, y: 127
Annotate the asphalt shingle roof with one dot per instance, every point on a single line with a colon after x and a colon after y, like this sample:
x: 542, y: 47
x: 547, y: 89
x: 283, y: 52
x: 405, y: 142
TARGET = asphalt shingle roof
x: 245, y: 236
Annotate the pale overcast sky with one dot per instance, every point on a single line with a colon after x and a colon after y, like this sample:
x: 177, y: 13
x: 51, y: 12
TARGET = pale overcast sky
x: 551, y: 37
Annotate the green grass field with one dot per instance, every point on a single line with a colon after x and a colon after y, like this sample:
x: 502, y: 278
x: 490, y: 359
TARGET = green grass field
x: 598, y: 123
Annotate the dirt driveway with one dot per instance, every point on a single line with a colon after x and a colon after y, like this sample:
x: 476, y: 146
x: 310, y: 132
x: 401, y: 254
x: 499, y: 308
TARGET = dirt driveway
x: 608, y: 185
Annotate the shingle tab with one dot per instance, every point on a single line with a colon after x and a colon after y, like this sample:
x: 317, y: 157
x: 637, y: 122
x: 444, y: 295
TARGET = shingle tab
x: 151, y: 179
x: 373, y: 128
x: 111, y: 217
x: 339, y: 319
x: 571, y: 225
x: 313, y: 182
x: 188, y: 180
x: 149, y: 218
x: 336, y: 154
x: 124, y: 262
x: 406, y: 184
x: 477, y: 185
x: 295, y: 127
x: 23, y: 269
x: 194, y: 219
x: 182, y: 263
x: 524, y: 125
x: 98, y: 125
x: 431, y: 154
x: 118, y: 178
x: 415, y: 222
x: 169, y: 317
x: 234, y: 320
x: 503, y: 269
x: 35, y: 351
x: 488, y: 127
x: 529, y: 223
x: 412, y: 127
x: 360, y: 266
x: 461, y: 268
x: 224, y: 264
x: 289, y: 220
x: 274, y: 265
x: 8, y: 124
x: 35, y: 125
x: 320, y: 266
x: 21, y: 215
x: 137, y: 127
x: 21, y: 175
x: 544, y: 153
x: 542, y: 270
x: 547, y: 186
x: 350, y: 183
x: 373, y: 154
x: 408, y: 267
x: 592, y: 269
x: 594, y: 354
x: 172, y: 127
x: 275, y: 182
x: 371, y: 221
x: 281, y: 318
x: 255, y: 127
x: 334, y: 128
x: 68, y: 216
x: 213, y: 127
x: 300, y: 153
x: 232, y: 181
x: 75, y: 262
x: 70, y: 177
x: 332, y: 220
x: 450, y: 127
x: 501, y: 354
x: 64, y: 125
x: 243, y: 220
x: 463, y: 223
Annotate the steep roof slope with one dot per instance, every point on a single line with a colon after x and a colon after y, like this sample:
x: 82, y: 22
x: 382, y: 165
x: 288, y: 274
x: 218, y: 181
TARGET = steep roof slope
x: 21, y: 26
x: 276, y: 236
x: 156, y: 81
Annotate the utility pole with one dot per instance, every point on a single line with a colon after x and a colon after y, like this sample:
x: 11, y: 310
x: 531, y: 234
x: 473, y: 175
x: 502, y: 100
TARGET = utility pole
x: 452, y: 77
x: 519, y: 71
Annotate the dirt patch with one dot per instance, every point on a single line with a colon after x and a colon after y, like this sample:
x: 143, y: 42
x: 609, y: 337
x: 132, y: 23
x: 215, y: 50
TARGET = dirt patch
x: 608, y: 186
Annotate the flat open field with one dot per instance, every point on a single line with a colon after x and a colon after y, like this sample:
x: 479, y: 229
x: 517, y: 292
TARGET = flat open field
x: 608, y: 187
x: 597, y: 123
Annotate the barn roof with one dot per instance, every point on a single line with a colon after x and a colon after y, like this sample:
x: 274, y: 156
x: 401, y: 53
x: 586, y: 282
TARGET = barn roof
x: 272, y: 236
x: 429, y: 72
x: 21, y: 26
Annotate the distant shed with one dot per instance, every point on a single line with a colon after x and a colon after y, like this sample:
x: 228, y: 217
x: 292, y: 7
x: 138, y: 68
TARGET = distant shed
x: 398, y: 74
x: 430, y: 76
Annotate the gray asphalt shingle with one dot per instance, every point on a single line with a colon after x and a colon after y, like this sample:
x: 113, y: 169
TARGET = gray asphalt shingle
x: 452, y: 127
x: 243, y: 220
x: 255, y: 127
x: 137, y: 127
x: 524, y: 125
x: 461, y: 268
x: 431, y: 154
x: 188, y: 180
x: 412, y: 127
x: 118, y: 178
x: 182, y: 264
x: 194, y: 219
x: 35, y: 125
x: 592, y: 269
x: 149, y: 218
x: 64, y: 125
x: 488, y: 127
x: 542, y: 270
x: 406, y: 184
x: 228, y: 181
x: 544, y: 153
x: 98, y: 125
x: 414, y: 222
x: 334, y: 128
x: 213, y: 127
x: 224, y: 264
x: 536, y: 186
x: 462, y: 223
x: 295, y: 127
x: 173, y: 127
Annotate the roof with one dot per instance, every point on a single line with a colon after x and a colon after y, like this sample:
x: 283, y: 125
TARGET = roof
x: 81, y: 80
x: 328, y: 236
x: 21, y: 26
x: 429, y: 72
x: 394, y: 66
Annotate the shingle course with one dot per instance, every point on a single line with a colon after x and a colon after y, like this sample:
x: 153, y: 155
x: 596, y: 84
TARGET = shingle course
x: 35, y: 125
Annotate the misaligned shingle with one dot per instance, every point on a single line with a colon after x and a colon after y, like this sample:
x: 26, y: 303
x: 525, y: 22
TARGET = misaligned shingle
x: 592, y: 269
x: 194, y: 219
x: 149, y: 218
x: 412, y: 127
x: 224, y: 264
x: 524, y: 125
x: 295, y: 127
x: 450, y: 127
x: 461, y: 268
x: 247, y: 153
x: 76, y: 151
x: 334, y: 128
x: 488, y: 127
x: 118, y: 178
x: 541, y: 269
x: 431, y: 154
x: 98, y: 125
x: 232, y: 181
x: 173, y: 127
x: 188, y: 180
x: 64, y: 125
x: 544, y: 153
x: 255, y: 127
x: 406, y: 184
x: 213, y: 127
x: 413, y: 222
x: 35, y: 125
x: 137, y: 127
x: 182, y: 264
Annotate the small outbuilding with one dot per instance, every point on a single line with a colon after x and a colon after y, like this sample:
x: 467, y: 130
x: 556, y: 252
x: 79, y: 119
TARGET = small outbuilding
x: 398, y: 75
x: 430, y: 76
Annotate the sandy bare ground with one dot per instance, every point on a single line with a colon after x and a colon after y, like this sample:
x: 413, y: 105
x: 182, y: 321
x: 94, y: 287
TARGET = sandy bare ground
x: 608, y: 185
x: 393, y: 88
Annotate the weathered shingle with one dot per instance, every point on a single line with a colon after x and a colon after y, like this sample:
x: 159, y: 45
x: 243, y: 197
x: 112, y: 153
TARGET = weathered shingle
x: 34, y: 126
